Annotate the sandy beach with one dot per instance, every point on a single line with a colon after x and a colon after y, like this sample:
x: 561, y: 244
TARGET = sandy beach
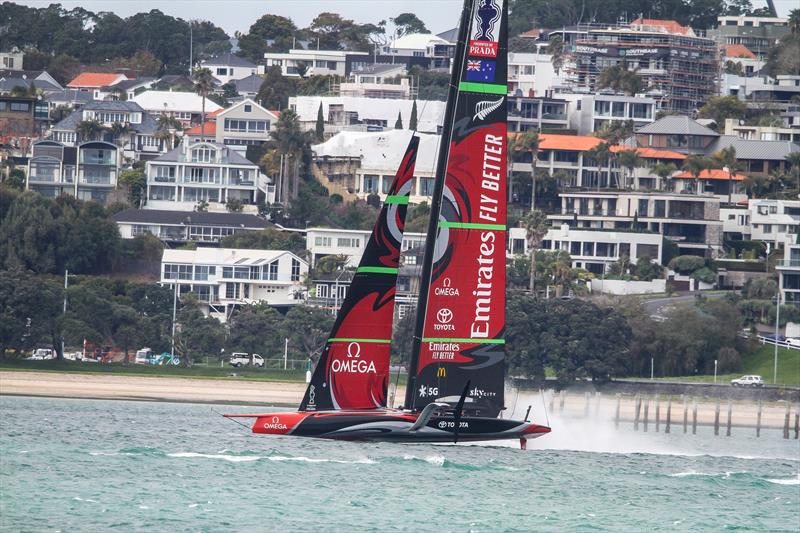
x: 111, y: 387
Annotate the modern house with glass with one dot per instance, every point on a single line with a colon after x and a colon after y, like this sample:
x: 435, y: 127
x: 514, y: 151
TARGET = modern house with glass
x: 204, y: 172
x: 223, y: 279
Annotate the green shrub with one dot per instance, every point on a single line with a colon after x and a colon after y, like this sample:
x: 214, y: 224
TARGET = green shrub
x: 686, y: 264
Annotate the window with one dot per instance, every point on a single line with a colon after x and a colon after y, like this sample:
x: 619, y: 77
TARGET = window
x: 348, y: 242
x: 642, y: 210
x: 386, y: 184
x: 201, y: 272
x: 295, y: 270
x: 203, y: 155
x: 232, y: 291
x: 248, y: 108
x: 177, y: 271
x: 222, y: 71
x: 371, y: 183
x: 273, y: 271
x: 575, y: 248
x: 588, y: 248
x: 426, y: 186
x: 322, y: 241
x: 241, y: 272
x: 766, y: 228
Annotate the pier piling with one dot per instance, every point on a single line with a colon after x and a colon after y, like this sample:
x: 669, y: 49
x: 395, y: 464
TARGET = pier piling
x: 758, y: 419
x: 669, y: 415
x: 685, y: 413
x: 728, y: 429
x: 597, y: 397
x: 586, y: 405
x: 658, y: 412
x: 616, y: 414
x: 786, y: 421
x: 694, y: 416
x: 638, y: 403
x: 646, y: 410
x: 716, y: 419
x: 796, y: 422
x: 562, y: 397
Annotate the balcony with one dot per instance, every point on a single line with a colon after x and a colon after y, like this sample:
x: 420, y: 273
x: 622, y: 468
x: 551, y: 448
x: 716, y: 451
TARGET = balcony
x: 164, y: 179
x: 241, y: 182
x: 788, y: 263
x: 554, y: 116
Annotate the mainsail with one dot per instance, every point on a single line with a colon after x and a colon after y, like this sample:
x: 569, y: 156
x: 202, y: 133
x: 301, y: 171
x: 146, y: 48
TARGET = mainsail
x: 461, y: 310
x: 353, y: 370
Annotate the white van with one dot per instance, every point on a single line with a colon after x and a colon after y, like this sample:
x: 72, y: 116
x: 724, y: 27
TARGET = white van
x: 239, y: 359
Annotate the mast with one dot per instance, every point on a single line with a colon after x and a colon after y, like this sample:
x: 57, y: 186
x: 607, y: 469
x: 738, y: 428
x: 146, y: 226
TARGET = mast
x: 460, y: 323
x: 436, y: 200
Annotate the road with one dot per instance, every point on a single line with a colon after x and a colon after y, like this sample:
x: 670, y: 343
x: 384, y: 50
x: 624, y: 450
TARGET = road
x: 657, y: 306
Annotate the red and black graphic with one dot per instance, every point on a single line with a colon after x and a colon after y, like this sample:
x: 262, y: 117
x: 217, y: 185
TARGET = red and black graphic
x: 463, y: 299
x: 353, y: 370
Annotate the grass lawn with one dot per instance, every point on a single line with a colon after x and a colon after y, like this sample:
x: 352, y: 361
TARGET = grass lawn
x: 761, y: 363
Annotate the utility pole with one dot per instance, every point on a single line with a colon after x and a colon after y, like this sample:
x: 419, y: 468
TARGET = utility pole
x: 285, y: 353
x: 174, y: 313
x: 777, y: 325
x: 64, y: 312
x: 191, y: 49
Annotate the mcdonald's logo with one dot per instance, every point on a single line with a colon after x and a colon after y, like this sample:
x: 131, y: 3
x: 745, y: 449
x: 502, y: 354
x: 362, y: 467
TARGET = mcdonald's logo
x: 441, y: 372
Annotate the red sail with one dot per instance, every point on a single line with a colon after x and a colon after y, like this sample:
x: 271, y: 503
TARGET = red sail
x: 464, y: 305
x: 353, y: 371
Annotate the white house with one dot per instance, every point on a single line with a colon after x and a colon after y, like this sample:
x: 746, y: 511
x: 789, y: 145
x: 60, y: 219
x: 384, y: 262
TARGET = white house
x: 244, y: 123
x: 184, y: 226
x: 427, y: 45
x: 229, y: 67
x: 312, y: 62
x: 789, y: 275
x: 203, y: 172
x: 378, y: 81
x: 775, y: 222
x: 186, y: 107
x: 321, y: 242
x: 223, y: 279
x: 590, y: 113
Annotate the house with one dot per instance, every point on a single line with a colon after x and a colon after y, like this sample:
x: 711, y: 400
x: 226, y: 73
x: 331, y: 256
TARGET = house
x: 439, y: 51
x: 86, y: 170
x: 244, y: 123
x: 125, y: 89
x: 322, y: 242
x: 223, y: 279
x: 184, y: 106
x: 71, y: 98
x: 592, y: 250
x: 17, y: 117
x: 757, y: 34
x: 249, y: 86
x: 204, y: 172
x: 9, y: 83
x: 356, y: 164
x: 229, y: 67
x: 12, y: 60
x: 30, y: 75
x: 711, y: 181
x: 692, y: 222
x: 774, y: 222
x: 789, y: 131
x: 532, y: 73
x: 378, y: 81
x: 92, y: 81
x: 347, y: 113
x: 185, y: 226
x: 139, y: 142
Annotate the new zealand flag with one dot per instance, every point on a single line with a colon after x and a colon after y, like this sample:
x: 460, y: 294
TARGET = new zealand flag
x: 481, y: 70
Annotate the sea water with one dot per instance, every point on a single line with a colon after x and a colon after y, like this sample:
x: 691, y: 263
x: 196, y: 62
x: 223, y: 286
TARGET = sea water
x: 90, y: 465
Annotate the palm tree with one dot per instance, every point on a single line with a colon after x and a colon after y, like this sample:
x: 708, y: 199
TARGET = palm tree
x: 119, y: 130
x: 535, y: 224
x: 292, y: 143
x: 620, y: 79
x: 601, y: 153
x: 528, y: 141
x: 726, y: 159
x: 794, y: 163
x: 695, y: 165
x: 630, y: 160
x: 89, y: 129
x: 558, y: 52
x: 664, y: 171
x: 203, y: 85
x: 166, y: 128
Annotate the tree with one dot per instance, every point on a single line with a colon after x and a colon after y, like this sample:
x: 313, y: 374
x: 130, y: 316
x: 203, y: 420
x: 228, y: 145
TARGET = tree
x: 783, y: 57
x: 135, y: 182
x: 266, y: 239
x: 275, y: 90
x: 89, y: 130
x: 719, y: 108
x: 601, y: 154
x: 734, y: 68
x: 647, y: 269
x: 687, y: 264
x: 726, y: 159
x: 29, y: 312
x: 695, y: 165
x: 197, y: 335
x: 203, y: 86
x: 664, y: 171
x: 280, y: 30
x: 229, y: 90
x: 255, y: 329
x: 234, y: 205
x: 292, y: 142
x: 320, y: 126
x: 167, y: 127
x: 558, y: 52
x: 398, y: 125
x: 307, y: 329
x: 524, y: 142
x: 620, y: 79
x: 201, y: 207
x: 406, y: 23
x: 793, y: 159
x: 412, y: 122
x: 629, y: 160
x: 535, y: 224
x: 15, y: 180
x: 119, y: 131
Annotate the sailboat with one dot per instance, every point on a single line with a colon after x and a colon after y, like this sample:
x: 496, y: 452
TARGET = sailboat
x: 455, y: 386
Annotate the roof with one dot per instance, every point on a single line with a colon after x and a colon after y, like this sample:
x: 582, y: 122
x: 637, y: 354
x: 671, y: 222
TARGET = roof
x: 381, y: 151
x: 228, y: 256
x: 676, y: 125
x: 755, y: 149
x: 159, y: 216
x: 250, y: 84
x: 668, y: 26
x: 230, y: 156
x: 173, y: 101
x: 68, y: 95
x: 94, y: 79
x: 450, y: 35
x: 531, y: 34
x: 579, y: 143
x: 147, y: 126
x: 130, y: 84
x: 651, y: 153
x: 211, y: 127
x: 738, y: 50
x: 7, y: 84
x: 228, y: 59
x: 711, y: 174
x: 417, y: 41
x: 379, y: 68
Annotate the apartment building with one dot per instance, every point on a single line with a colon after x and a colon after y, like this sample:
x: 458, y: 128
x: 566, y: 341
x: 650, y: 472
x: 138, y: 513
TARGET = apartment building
x: 790, y: 131
x: 757, y: 34
x: 300, y: 63
x: 789, y: 275
x: 532, y: 74
x: 347, y: 113
x: 87, y: 170
x: 203, y: 172
x: 223, y: 279
x: 177, y: 227
x: 591, y: 249
x: 775, y: 222
x: 322, y: 242
x: 691, y: 222
x: 591, y: 113
x: 537, y: 114
x: 678, y: 67
x: 229, y: 67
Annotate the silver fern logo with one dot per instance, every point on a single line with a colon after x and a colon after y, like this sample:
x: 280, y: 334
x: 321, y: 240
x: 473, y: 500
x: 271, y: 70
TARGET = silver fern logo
x: 485, y: 107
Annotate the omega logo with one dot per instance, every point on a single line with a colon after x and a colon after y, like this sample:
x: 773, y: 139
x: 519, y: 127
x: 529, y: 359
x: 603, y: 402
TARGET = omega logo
x: 353, y: 350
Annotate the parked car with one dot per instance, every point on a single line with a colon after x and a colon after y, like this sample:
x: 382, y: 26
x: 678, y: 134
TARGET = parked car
x: 243, y: 359
x: 42, y: 354
x: 794, y: 342
x: 748, y: 381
